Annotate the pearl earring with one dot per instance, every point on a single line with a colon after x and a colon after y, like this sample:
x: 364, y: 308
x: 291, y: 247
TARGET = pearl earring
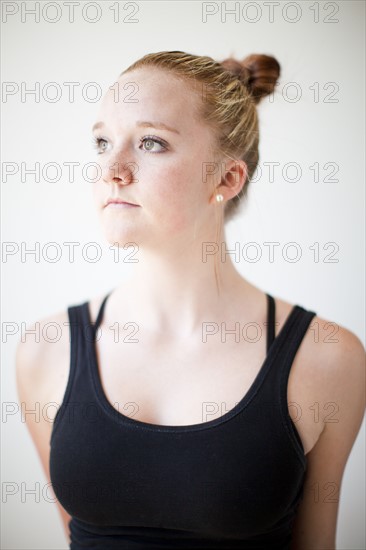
x: 219, y: 198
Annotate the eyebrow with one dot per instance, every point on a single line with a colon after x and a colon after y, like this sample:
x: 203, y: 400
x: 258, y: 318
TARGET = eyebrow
x: 144, y: 124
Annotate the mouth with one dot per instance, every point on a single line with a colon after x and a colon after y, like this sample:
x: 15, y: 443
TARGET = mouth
x: 117, y: 203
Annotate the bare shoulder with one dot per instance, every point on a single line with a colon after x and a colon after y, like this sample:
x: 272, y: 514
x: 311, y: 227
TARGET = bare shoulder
x: 331, y: 356
x: 43, y: 363
x: 42, y: 360
x: 337, y: 359
x: 340, y: 354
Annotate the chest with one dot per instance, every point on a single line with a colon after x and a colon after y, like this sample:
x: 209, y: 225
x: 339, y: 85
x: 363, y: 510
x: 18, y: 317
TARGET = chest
x: 184, y: 384
x: 237, y: 479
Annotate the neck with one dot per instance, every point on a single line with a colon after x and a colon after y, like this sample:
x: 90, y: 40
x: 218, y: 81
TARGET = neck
x: 175, y: 289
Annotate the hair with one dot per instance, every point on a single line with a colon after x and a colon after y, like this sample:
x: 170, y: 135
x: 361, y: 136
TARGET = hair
x: 231, y: 91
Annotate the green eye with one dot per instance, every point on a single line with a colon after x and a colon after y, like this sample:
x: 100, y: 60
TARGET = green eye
x: 97, y: 141
x: 152, y: 140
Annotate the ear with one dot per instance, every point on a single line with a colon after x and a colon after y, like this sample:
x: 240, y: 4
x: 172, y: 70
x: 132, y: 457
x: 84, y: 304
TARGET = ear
x: 232, y: 181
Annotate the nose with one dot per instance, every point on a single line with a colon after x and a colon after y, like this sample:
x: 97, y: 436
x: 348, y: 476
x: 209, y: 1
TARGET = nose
x: 119, y: 172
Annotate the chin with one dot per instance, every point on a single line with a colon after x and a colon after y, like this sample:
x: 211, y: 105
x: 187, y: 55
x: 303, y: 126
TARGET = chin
x: 120, y: 238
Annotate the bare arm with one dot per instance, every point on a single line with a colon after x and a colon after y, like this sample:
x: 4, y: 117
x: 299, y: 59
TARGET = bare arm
x: 36, y: 368
x: 343, y: 373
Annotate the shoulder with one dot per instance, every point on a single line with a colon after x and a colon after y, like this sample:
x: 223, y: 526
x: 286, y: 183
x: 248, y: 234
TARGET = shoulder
x: 40, y: 339
x: 330, y: 348
x: 338, y: 360
x: 42, y: 358
x: 339, y: 353
x: 330, y: 364
x: 41, y: 352
x: 45, y: 340
x: 335, y: 357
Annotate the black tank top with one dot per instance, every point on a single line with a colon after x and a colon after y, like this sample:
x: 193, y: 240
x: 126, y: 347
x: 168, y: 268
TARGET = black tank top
x: 232, y: 482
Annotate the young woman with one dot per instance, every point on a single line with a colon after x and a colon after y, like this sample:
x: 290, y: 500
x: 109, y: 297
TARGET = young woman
x: 185, y: 391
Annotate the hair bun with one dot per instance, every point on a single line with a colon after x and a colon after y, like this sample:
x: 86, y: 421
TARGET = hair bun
x: 258, y: 72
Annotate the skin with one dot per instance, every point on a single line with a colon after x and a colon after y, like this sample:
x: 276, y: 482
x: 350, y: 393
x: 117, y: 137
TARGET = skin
x: 173, y: 291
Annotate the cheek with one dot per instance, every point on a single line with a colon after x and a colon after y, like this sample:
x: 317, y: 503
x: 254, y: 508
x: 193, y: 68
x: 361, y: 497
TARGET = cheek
x: 175, y: 196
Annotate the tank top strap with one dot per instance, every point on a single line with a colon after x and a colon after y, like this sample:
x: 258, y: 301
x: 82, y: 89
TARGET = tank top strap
x: 293, y: 335
x: 271, y: 316
x: 101, y: 311
x: 91, y: 327
x: 274, y: 376
x: 289, y: 341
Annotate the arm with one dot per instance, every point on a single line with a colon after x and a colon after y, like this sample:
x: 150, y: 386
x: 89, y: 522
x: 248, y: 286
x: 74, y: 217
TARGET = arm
x: 344, y: 384
x: 34, y: 379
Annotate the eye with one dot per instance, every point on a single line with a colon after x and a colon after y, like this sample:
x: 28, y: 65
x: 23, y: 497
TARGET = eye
x: 100, y: 144
x: 97, y: 142
x: 150, y: 140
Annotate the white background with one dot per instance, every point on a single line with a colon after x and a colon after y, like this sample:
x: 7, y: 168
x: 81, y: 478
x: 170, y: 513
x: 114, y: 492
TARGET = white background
x: 305, y: 131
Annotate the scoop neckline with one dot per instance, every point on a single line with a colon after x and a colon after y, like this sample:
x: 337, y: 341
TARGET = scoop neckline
x: 140, y: 424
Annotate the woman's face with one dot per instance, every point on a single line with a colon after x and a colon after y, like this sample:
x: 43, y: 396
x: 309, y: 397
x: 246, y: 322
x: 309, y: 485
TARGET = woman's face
x: 161, y: 171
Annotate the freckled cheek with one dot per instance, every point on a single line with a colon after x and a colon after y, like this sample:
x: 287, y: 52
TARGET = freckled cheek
x: 173, y: 198
x: 168, y: 191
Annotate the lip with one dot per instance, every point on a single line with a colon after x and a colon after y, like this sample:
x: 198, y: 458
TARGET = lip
x: 119, y: 202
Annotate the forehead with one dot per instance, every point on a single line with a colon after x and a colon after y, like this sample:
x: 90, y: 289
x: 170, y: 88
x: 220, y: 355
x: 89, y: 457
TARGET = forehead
x: 151, y: 94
